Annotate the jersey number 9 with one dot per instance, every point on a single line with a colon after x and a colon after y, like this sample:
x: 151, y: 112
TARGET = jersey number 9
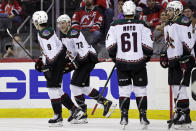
x: 49, y: 47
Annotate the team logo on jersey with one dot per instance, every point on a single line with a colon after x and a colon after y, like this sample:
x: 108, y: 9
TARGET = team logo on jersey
x: 46, y: 33
x: 169, y: 41
x: 185, y: 20
x: 74, y: 32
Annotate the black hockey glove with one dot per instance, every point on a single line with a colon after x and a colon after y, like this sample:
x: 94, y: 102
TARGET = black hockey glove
x: 147, y: 58
x: 187, y: 63
x: 39, y: 66
x: 164, y: 60
x: 70, y: 66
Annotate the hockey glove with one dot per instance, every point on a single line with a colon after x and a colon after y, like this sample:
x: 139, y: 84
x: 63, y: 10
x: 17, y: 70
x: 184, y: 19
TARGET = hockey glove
x: 187, y: 62
x: 39, y: 64
x: 164, y: 60
x: 147, y: 58
x: 70, y: 66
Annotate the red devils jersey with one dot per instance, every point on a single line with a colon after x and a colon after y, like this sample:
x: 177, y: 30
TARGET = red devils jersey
x: 102, y: 3
x: 152, y: 15
x: 84, y: 18
x: 11, y: 8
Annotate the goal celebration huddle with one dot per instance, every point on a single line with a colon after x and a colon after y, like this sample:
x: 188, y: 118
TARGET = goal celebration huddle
x: 129, y: 42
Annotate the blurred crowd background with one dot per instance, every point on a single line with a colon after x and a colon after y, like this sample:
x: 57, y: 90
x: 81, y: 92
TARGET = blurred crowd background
x: 16, y: 15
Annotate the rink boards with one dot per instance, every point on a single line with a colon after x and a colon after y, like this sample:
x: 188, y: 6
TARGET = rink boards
x: 23, y: 92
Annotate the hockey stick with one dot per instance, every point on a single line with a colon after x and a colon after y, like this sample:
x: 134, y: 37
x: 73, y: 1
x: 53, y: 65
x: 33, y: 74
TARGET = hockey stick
x: 178, y: 94
x: 95, y: 107
x: 20, y: 45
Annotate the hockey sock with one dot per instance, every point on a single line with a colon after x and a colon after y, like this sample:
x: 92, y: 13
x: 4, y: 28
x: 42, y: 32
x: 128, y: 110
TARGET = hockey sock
x: 56, y: 105
x: 141, y: 103
x: 80, y: 100
x: 96, y: 95
x: 124, y: 103
x: 67, y: 102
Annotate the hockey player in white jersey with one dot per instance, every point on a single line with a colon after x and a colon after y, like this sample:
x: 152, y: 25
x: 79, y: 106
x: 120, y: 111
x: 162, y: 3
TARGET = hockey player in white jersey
x: 83, y: 59
x: 179, y: 60
x: 52, y: 64
x: 130, y: 46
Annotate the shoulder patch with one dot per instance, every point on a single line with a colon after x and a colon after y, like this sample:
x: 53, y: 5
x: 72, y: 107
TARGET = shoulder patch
x: 46, y: 33
x: 74, y: 32
x: 185, y: 20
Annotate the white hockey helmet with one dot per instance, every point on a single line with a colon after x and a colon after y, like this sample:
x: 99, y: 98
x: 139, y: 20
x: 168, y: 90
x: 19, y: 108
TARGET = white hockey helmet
x: 65, y: 18
x: 40, y: 16
x: 176, y: 5
x: 129, y: 8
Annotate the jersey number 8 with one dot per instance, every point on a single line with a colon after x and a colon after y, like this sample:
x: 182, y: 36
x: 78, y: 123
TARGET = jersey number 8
x: 126, y: 44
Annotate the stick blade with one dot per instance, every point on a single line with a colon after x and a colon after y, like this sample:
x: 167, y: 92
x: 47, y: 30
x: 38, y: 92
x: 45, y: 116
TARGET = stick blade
x: 8, y: 32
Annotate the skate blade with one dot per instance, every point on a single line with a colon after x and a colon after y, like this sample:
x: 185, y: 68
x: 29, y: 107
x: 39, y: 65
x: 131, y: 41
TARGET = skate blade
x: 123, y: 123
x: 59, y: 124
x: 81, y: 121
x: 123, y: 126
x: 112, y: 108
x: 79, y: 115
x: 144, y: 127
x: 183, y: 127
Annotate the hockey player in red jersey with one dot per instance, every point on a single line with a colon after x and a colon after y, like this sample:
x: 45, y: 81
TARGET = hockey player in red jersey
x: 130, y: 46
x: 89, y: 19
x: 52, y: 63
x: 102, y: 3
x: 180, y: 61
x: 88, y: 16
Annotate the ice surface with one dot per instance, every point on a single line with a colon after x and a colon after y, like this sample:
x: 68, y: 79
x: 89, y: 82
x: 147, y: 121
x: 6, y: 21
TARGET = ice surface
x: 34, y: 124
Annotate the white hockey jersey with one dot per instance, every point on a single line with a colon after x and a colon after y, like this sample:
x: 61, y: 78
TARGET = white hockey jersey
x: 178, y: 37
x: 128, y: 41
x: 78, y: 47
x: 193, y: 37
x: 50, y: 44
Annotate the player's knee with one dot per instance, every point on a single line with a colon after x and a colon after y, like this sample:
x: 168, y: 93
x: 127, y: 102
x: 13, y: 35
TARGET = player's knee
x: 87, y: 90
x: 183, y: 92
x: 140, y: 91
x: 125, y: 91
x: 55, y: 93
x: 76, y: 90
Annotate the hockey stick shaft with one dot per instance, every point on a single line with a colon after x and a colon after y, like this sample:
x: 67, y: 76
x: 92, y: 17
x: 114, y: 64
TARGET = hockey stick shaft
x: 105, y: 86
x: 20, y: 45
x: 178, y: 94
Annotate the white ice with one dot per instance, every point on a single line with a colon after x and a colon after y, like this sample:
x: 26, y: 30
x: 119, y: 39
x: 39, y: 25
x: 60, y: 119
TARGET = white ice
x: 23, y: 124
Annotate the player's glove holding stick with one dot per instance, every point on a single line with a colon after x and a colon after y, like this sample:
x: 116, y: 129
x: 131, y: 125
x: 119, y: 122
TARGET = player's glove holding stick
x: 187, y: 62
x: 147, y: 58
x: 39, y: 66
x: 164, y: 60
x: 72, y: 64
